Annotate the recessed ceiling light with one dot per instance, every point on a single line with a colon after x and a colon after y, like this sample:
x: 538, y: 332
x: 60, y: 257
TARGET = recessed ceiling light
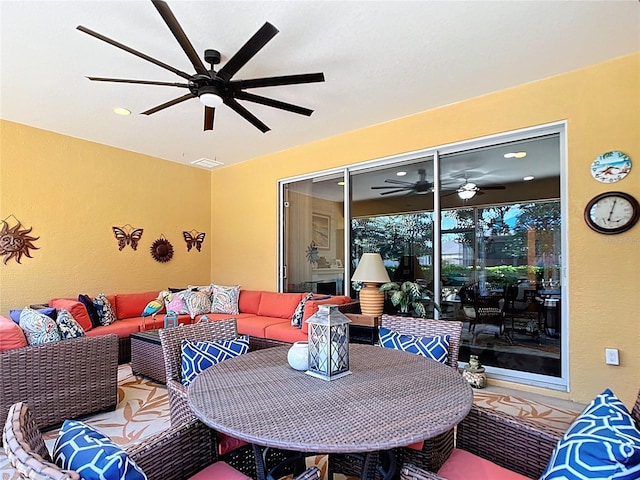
x: 121, y: 111
x: 515, y: 155
x: 401, y: 173
x: 341, y: 183
x: 528, y: 178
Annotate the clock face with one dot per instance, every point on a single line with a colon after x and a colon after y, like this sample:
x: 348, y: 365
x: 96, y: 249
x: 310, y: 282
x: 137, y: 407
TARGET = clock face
x: 613, y: 212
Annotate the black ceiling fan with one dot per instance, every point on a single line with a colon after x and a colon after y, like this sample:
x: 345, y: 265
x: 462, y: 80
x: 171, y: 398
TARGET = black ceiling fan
x: 421, y: 187
x: 212, y: 87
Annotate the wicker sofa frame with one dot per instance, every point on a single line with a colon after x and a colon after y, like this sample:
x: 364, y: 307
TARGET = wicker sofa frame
x: 173, y: 454
x: 61, y: 380
x: 486, y: 432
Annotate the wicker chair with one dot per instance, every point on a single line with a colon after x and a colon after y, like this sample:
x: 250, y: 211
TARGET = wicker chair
x: 486, y: 432
x: 174, y: 454
x: 436, y: 450
x: 170, y: 339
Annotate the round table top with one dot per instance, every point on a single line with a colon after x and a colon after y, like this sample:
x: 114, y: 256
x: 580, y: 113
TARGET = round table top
x: 390, y: 399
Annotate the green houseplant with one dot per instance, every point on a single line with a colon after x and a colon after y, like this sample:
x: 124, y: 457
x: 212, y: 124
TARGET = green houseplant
x: 410, y: 296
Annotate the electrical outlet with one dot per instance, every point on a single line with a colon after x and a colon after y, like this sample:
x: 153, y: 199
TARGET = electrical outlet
x: 611, y: 356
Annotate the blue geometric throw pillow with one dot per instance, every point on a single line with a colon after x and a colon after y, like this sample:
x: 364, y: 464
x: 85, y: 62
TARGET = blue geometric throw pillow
x: 436, y: 348
x: 601, y: 443
x: 198, y: 356
x: 94, y: 456
x: 68, y: 326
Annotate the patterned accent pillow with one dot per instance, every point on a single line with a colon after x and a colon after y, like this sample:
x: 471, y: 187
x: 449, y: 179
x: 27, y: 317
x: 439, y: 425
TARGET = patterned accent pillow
x: 602, y: 442
x: 177, y: 303
x: 38, y: 328
x: 49, y: 312
x: 198, y: 356
x: 436, y: 348
x: 225, y: 299
x: 296, y: 319
x: 198, y: 303
x: 91, y: 309
x: 68, y: 326
x: 104, y: 310
x: 94, y: 456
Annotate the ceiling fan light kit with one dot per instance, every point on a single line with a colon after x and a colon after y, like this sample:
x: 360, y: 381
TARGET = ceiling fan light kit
x: 215, y: 88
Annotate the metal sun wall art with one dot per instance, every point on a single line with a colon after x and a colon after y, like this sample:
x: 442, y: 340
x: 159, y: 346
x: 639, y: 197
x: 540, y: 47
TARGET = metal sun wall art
x: 15, y: 241
x: 162, y: 250
x: 193, y: 239
x: 127, y: 235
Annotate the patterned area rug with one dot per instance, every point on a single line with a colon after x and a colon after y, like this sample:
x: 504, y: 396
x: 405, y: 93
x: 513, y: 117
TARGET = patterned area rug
x: 143, y: 410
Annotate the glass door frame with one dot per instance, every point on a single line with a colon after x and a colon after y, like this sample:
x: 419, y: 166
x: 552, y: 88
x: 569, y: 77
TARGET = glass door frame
x: 559, y: 128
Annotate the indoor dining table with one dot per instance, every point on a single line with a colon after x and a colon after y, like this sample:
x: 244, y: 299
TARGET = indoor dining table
x: 390, y: 399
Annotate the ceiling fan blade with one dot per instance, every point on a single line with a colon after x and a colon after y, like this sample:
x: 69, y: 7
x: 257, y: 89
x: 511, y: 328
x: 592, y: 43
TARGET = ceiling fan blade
x: 140, y: 82
x: 246, y: 114
x: 493, y: 187
x: 171, y: 21
x: 250, y: 97
x: 399, y: 182
x: 133, y: 52
x: 387, y: 187
x: 209, y: 113
x: 170, y: 103
x: 277, y: 81
x: 397, y: 191
x: 247, y: 51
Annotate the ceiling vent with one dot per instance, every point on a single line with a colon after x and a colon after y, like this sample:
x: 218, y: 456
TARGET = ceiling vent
x: 206, y: 163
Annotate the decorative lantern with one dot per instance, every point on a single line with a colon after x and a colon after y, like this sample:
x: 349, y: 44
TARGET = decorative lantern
x: 328, y: 343
x: 170, y: 319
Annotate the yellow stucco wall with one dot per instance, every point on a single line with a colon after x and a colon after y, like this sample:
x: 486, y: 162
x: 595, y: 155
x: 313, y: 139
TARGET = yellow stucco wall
x: 601, y: 105
x: 72, y: 192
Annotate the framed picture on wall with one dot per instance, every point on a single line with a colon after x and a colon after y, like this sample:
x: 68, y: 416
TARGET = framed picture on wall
x: 320, y: 228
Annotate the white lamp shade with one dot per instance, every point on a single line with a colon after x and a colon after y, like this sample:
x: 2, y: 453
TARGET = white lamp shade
x: 370, y: 269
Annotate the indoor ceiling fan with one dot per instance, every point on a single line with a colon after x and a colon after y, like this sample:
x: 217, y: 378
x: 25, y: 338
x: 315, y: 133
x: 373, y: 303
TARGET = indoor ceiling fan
x: 215, y: 88
x: 421, y: 187
x: 469, y: 190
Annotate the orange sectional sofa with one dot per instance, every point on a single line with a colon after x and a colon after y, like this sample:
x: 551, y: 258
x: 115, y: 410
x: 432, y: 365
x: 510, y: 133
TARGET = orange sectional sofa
x: 262, y: 315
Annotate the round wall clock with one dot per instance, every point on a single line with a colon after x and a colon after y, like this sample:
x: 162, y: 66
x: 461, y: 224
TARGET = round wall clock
x: 611, y: 167
x: 612, y: 212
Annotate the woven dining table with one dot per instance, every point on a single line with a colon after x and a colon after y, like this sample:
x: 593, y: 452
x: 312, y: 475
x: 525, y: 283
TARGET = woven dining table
x: 390, y: 399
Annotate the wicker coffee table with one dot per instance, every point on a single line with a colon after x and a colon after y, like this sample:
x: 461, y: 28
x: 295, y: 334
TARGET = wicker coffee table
x: 391, y: 399
x: 146, y: 355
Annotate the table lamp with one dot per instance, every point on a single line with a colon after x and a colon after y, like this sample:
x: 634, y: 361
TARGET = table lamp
x: 372, y: 273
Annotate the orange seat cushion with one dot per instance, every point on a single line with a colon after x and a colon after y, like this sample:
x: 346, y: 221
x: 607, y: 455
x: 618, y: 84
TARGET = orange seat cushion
x: 227, y: 443
x: 285, y: 333
x: 77, y: 310
x: 219, y: 471
x: 462, y: 465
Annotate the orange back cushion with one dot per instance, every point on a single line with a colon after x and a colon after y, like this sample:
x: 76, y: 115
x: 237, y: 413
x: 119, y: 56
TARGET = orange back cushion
x: 11, y: 335
x: 311, y: 307
x: 130, y: 305
x: 77, y: 310
x: 249, y: 301
x: 280, y: 305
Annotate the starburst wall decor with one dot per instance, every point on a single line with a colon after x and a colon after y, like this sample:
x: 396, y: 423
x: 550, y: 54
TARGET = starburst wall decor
x: 15, y: 241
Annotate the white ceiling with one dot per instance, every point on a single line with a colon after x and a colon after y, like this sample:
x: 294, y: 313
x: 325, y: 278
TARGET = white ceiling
x: 382, y: 60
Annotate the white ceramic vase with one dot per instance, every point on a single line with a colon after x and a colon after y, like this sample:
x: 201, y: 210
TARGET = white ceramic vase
x: 298, y: 356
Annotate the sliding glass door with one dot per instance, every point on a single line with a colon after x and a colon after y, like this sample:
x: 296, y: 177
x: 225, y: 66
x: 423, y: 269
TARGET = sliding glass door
x: 475, y: 223
x: 314, y: 248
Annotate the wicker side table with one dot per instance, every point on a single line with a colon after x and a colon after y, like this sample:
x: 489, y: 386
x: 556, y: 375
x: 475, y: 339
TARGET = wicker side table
x: 146, y: 356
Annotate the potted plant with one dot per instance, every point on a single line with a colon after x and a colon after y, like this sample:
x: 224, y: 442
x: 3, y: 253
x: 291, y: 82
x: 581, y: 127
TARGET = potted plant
x: 410, y: 296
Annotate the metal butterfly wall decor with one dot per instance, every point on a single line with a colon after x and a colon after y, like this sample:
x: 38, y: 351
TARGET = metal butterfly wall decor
x: 127, y: 235
x: 193, y: 239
